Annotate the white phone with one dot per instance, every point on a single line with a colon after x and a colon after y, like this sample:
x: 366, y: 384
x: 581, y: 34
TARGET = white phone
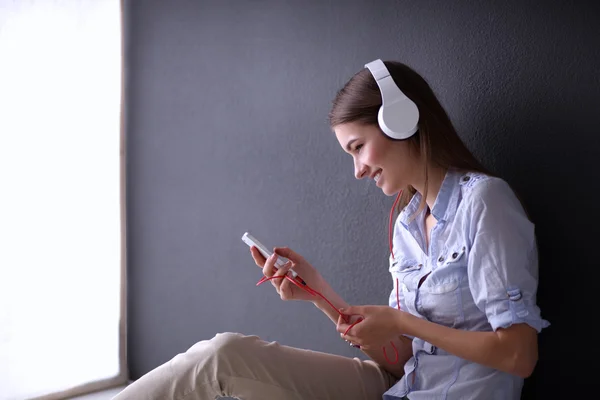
x: 252, y: 241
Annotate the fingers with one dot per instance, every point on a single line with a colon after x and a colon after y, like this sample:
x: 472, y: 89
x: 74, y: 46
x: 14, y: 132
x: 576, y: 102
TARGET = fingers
x: 349, y: 316
x: 285, y: 289
x: 347, y: 328
x: 347, y: 323
x: 342, y: 323
x: 268, y: 267
x: 282, y: 284
x: 259, y: 260
x: 354, y: 341
x: 270, y: 271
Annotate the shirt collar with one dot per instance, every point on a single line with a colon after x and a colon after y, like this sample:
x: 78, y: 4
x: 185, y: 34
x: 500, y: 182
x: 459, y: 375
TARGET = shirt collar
x: 445, y: 203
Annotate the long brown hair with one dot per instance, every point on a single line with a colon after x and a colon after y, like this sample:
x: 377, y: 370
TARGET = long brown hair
x: 436, y: 140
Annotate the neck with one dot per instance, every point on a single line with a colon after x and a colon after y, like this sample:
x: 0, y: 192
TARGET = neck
x: 435, y: 179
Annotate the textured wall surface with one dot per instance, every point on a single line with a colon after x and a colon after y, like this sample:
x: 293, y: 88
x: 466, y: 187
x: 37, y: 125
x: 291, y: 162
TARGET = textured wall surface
x: 227, y: 104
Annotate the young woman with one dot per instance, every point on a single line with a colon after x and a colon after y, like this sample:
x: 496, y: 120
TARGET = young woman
x: 462, y: 320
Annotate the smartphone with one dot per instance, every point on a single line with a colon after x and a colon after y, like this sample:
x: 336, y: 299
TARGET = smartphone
x: 252, y: 241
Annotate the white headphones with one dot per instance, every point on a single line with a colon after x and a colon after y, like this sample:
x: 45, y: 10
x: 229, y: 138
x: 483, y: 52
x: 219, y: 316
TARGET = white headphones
x: 398, y: 115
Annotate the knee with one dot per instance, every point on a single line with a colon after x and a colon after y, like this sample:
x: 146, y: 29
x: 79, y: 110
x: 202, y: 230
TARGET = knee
x: 218, y: 356
x: 230, y: 343
x: 226, y: 339
x: 223, y: 347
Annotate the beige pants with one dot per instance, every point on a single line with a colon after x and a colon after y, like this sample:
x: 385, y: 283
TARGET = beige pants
x: 248, y: 368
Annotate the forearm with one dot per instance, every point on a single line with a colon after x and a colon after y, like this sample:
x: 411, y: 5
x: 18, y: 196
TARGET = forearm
x: 335, y: 300
x: 492, y: 349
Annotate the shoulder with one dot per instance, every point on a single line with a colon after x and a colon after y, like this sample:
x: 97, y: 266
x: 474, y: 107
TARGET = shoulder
x: 492, y: 206
x: 484, y: 191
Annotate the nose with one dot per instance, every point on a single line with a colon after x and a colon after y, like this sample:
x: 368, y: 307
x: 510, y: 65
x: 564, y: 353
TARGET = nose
x: 359, y: 169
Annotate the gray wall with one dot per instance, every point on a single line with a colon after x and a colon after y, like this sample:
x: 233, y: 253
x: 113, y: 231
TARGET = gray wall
x: 227, y: 132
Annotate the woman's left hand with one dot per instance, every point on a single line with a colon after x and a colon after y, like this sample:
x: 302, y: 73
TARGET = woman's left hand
x: 378, y: 326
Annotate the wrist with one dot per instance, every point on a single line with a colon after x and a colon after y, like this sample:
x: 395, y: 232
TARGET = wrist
x: 323, y: 288
x: 331, y: 296
x: 405, y: 323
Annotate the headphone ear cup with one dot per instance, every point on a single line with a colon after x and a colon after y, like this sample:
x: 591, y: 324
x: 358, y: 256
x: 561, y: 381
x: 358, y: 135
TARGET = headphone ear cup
x: 381, y: 122
x: 400, y: 119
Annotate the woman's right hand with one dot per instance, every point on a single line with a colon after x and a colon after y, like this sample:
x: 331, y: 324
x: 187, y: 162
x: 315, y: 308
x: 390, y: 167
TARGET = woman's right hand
x: 286, y: 289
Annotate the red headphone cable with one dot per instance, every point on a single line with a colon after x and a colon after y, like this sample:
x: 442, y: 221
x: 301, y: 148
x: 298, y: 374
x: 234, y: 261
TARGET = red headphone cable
x: 304, y: 286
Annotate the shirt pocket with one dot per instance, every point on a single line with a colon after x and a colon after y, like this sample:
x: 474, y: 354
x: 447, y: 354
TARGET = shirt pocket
x: 403, y: 273
x: 441, y: 295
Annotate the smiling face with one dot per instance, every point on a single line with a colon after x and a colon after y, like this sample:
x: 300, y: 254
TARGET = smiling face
x: 392, y: 164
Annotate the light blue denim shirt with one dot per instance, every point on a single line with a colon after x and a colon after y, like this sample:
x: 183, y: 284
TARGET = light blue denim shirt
x: 482, y: 274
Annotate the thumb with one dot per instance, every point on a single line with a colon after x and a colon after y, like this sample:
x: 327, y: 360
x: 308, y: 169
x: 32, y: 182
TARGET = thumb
x: 288, y: 253
x: 352, y: 310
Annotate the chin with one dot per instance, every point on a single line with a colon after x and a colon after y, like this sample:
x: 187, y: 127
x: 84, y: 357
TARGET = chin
x: 389, y: 192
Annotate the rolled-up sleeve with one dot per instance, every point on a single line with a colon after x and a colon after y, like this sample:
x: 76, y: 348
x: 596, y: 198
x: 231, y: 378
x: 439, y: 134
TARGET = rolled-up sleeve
x: 503, y: 259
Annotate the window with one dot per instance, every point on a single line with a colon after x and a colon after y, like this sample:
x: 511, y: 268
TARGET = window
x: 62, y: 319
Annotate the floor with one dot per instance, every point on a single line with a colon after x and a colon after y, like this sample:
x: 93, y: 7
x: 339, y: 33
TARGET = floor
x: 108, y: 394
x: 103, y: 395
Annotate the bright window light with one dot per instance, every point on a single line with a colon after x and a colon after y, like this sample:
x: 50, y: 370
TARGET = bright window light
x: 60, y: 198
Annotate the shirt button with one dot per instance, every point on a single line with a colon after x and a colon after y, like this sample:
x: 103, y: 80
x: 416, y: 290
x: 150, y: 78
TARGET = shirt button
x: 441, y: 259
x: 466, y: 178
x: 454, y: 255
x: 514, y: 295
